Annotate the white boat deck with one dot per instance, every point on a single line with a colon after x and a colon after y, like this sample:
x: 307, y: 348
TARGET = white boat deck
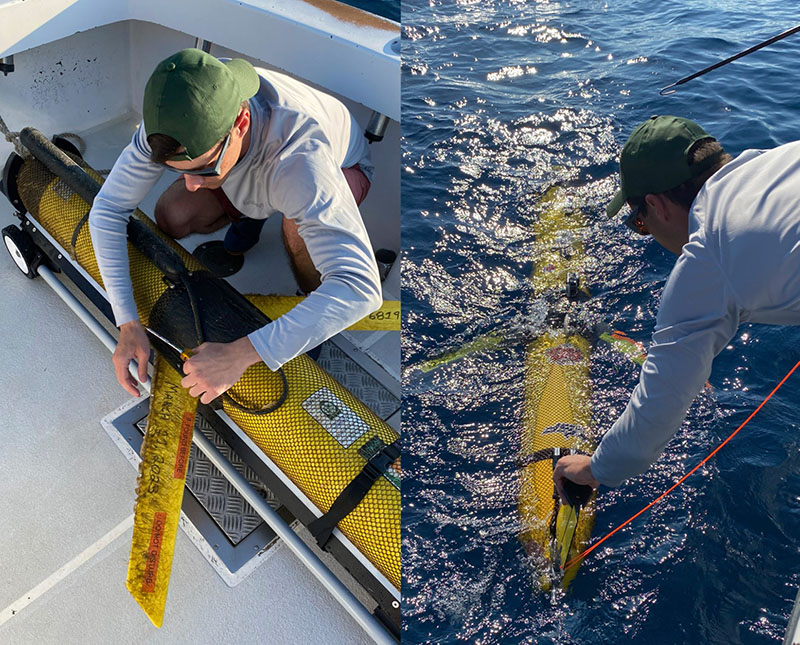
x: 66, y: 490
x: 66, y: 487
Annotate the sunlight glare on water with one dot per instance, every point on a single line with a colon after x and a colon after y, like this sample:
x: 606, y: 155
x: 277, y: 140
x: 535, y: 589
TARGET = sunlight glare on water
x: 502, y: 100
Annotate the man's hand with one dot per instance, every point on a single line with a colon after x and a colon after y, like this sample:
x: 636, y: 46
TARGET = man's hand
x: 575, y: 468
x: 215, y: 367
x: 133, y: 344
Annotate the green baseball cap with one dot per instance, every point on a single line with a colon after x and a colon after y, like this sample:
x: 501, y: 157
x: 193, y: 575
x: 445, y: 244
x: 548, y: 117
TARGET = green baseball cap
x: 655, y: 158
x: 194, y: 98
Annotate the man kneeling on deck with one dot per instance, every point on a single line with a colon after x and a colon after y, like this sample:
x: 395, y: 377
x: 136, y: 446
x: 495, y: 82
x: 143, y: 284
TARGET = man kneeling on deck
x: 278, y: 146
x: 735, y: 225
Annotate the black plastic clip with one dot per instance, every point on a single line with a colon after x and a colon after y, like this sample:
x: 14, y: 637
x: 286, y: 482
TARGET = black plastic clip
x: 577, y: 494
x: 572, y: 286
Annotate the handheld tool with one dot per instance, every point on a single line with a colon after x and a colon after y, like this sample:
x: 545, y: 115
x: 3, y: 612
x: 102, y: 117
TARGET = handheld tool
x: 185, y: 354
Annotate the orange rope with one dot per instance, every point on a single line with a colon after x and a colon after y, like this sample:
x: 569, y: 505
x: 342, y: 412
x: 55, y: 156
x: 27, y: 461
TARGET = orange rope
x: 682, y: 479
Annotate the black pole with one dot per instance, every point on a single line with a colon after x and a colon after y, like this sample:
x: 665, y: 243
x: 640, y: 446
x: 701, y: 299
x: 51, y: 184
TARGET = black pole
x: 664, y: 91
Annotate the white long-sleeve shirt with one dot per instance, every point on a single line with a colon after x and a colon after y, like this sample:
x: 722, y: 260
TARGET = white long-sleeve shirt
x: 741, y: 264
x: 300, y: 139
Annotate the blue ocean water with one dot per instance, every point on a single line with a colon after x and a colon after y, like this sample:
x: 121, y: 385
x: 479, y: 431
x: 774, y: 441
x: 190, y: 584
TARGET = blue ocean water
x: 386, y: 8
x: 502, y: 99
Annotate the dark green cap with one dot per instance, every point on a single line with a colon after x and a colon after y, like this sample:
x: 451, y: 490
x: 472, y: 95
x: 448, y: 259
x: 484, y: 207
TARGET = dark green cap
x: 655, y: 158
x: 194, y: 98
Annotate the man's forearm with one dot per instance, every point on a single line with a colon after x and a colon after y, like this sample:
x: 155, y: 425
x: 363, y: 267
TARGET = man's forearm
x: 671, y: 378
x: 131, y: 178
x: 109, y: 238
x: 333, y: 307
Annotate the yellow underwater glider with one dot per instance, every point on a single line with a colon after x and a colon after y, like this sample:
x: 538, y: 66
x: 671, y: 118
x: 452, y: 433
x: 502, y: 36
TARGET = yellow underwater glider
x: 328, y: 444
x: 556, y: 414
x: 556, y: 411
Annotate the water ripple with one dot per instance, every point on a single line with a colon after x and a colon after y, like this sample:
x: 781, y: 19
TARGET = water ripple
x: 502, y: 100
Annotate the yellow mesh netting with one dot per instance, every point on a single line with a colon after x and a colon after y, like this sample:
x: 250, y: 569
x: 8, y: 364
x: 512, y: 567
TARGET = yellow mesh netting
x: 556, y: 410
x: 314, y: 437
x: 316, y: 459
x: 556, y: 414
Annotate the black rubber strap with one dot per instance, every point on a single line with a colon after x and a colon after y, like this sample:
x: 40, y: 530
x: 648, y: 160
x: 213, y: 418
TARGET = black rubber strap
x: 266, y: 409
x: 542, y: 455
x: 73, y: 252
x: 353, y: 493
x: 539, y: 455
x: 554, y: 516
x: 198, y: 327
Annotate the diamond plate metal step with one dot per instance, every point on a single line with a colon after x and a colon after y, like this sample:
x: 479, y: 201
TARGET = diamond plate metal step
x: 220, y: 499
x: 222, y: 524
x: 360, y: 374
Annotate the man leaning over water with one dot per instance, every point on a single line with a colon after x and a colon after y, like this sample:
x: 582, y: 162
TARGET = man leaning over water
x: 735, y: 225
x: 279, y: 147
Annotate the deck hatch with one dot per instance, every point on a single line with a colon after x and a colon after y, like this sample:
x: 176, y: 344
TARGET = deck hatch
x: 222, y: 525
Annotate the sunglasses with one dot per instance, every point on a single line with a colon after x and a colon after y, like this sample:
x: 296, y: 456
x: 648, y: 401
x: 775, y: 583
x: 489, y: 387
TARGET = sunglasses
x: 207, y: 172
x: 634, y: 221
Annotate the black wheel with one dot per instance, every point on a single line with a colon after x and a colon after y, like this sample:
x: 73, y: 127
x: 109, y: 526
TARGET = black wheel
x: 23, y: 251
x: 9, y: 183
